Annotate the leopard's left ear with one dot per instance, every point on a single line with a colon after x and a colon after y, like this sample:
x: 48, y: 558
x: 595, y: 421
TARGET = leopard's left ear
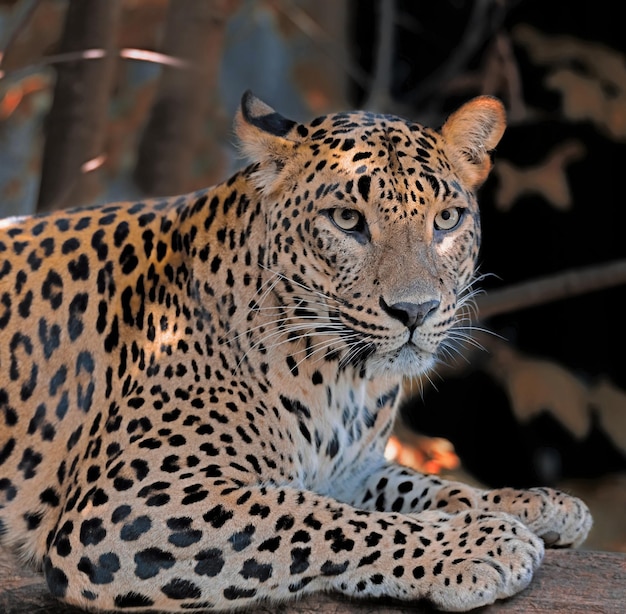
x: 471, y: 133
x: 265, y: 137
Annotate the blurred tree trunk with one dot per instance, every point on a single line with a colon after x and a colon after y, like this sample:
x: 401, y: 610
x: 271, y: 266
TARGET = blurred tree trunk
x: 75, y: 128
x: 321, y: 72
x: 194, y: 32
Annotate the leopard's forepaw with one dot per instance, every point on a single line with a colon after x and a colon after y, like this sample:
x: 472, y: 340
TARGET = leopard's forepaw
x: 489, y: 556
x: 561, y: 520
x: 566, y: 520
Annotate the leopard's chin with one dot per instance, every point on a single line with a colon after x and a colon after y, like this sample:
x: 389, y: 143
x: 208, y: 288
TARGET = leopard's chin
x: 406, y: 361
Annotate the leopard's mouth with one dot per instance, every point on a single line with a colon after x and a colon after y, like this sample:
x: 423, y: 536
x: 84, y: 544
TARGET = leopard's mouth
x: 408, y: 360
x: 400, y: 354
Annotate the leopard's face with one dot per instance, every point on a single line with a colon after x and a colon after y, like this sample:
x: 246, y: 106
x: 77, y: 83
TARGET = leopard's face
x: 375, y: 240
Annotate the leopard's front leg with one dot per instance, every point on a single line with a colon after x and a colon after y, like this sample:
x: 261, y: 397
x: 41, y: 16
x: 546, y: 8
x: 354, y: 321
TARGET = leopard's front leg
x: 560, y: 519
x: 222, y: 546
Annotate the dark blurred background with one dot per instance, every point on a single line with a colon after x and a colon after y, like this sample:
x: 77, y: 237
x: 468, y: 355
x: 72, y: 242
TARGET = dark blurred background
x: 120, y: 99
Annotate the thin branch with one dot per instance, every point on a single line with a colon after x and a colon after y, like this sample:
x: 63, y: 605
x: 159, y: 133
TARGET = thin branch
x: 523, y: 296
x: 485, y: 19
x: 141, y: 55
x: 310, y: 28
x: 551, y: 288
x: 475, y: 33
x: 510, y: 75
x: 20, y: 16
x: 379, y: 97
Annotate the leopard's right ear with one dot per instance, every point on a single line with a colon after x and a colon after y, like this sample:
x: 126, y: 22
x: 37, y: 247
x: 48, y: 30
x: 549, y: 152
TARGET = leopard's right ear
x: 266, y: 138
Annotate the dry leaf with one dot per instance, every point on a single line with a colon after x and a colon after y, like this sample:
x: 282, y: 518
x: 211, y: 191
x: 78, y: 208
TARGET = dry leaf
x: 595, y: 90
x: 535, y: 386
x: 548, y: 178
x: 609, y: 402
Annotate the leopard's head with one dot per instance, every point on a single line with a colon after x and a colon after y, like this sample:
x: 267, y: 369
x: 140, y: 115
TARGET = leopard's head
x: 372, y: 225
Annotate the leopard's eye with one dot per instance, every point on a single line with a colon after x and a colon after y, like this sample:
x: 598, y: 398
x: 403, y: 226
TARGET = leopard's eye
x: 348, y: 220
x: 447, y: 219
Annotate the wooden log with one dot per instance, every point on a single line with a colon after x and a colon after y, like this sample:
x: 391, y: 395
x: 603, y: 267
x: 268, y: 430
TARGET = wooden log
x: 569, y: 582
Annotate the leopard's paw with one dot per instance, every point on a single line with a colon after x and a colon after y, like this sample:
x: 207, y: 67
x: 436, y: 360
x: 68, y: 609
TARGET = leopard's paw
x: 484, y: 556
x: 560, y: 519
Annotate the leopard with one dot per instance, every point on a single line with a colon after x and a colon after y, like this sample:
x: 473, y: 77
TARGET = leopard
x: 196, y: 391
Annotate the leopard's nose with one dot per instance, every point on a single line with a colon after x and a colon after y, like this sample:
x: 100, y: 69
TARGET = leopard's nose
x: 411, y: 315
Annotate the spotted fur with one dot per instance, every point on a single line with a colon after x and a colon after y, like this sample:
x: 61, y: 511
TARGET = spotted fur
x: 196, y: 392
